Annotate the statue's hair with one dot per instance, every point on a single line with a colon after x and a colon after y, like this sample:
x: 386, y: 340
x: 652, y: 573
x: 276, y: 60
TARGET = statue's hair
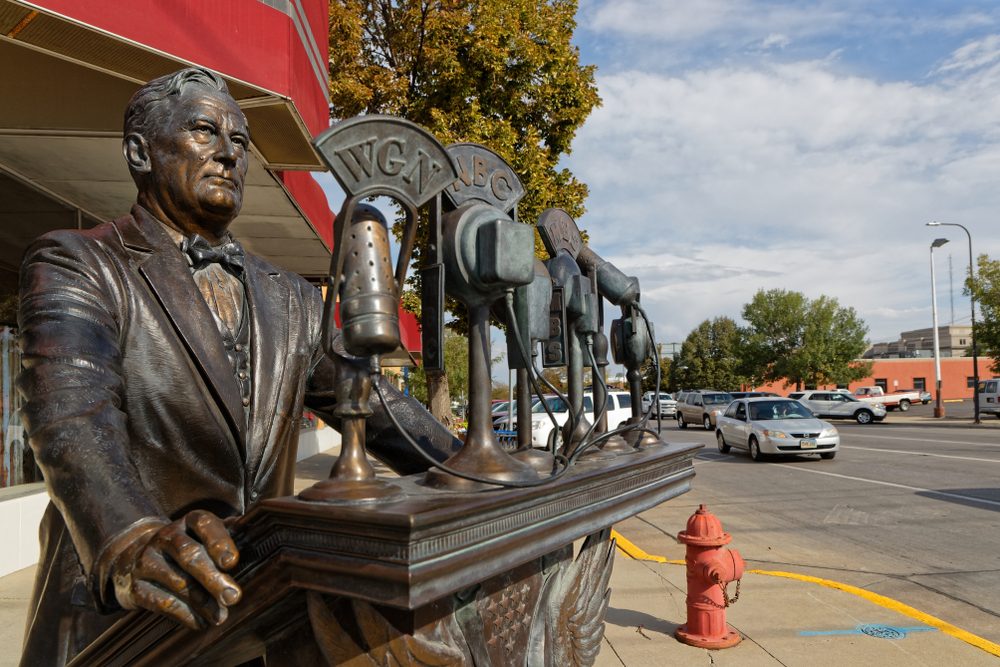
x: 142, y: 109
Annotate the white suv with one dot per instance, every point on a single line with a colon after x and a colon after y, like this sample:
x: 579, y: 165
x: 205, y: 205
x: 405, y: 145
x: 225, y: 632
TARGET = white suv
x: 619, y: 410
x: 833, y: 404
x: 668, y: 406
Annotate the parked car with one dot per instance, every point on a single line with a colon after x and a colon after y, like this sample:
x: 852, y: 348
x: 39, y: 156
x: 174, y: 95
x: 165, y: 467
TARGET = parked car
x: 668, y: 406
x: 897, y: 399
x: 702, y: 406
x: 770, y: 426
x: 500, y: 415
x: 834, y: 405
x: 619, y: 410
x: 989, y: 396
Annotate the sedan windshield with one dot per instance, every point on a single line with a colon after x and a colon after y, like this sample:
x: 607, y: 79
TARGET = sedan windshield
x: 718, y: 399
x: 770, y: 410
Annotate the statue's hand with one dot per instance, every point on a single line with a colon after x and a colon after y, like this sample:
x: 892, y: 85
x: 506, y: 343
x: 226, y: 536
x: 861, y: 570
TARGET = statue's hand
x: 175, y: 571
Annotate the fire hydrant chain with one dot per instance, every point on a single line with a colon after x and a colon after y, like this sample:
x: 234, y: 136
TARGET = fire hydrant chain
x: 725, y: 593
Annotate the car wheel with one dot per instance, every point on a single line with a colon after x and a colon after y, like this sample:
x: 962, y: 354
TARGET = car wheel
x: 723, y: 447
x: 707, y: 423
x: 904, y: 405
x: 755, y: 453
x: 864, y: 417
x: 680, y: 422
x: 826, y: 456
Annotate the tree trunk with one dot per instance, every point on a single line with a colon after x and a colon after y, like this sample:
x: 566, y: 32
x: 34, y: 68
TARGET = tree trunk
x: 438, y: 397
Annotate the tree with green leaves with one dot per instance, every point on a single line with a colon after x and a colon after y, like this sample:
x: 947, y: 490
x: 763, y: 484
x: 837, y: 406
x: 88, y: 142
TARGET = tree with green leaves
x: 801, y: 341
x: 502, y: 74
x: 709, y: 357
x: 649, y: 375
x: 985, y: 289
x: 456, y: 359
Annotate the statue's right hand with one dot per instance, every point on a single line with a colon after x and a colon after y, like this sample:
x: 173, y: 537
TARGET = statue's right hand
x: 176, y: 571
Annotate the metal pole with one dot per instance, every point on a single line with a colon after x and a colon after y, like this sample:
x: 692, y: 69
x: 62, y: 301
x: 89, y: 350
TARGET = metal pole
x: 938, y: 411
x: 972, y: 300
x: 510, y: 397
x: 975, y: 352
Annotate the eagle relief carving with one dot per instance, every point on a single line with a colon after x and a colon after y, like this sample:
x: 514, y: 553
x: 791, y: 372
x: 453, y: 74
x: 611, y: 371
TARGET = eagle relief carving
x: 544, y: 613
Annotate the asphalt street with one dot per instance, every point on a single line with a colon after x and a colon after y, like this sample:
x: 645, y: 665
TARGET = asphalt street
x: 906, y: 510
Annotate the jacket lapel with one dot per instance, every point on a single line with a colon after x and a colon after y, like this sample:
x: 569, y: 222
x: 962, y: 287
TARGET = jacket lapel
x: 169, y: 277
x: 268, y: 303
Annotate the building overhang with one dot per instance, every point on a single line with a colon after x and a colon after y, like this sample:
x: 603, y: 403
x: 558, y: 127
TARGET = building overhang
x: 70, y: 68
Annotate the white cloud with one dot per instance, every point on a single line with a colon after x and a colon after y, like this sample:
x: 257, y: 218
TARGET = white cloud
x: 675, y: 29
x: 780, y: 41
x: 685, y: 20
x: 975, y: 54
x: 732, y: 179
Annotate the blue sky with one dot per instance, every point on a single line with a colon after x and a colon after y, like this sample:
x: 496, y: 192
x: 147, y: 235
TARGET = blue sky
x: 798, y: 145
x: 794, y: 145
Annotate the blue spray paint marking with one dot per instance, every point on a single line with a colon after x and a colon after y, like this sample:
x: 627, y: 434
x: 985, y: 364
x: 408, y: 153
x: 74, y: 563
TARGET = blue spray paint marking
x: 880, y: 631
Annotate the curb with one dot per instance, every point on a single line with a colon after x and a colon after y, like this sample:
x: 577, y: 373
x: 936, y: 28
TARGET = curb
x: 946, y: 422
x: 634, y: 552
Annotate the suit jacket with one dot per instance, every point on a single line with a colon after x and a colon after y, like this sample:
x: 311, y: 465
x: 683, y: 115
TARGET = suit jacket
x: 135, y: 417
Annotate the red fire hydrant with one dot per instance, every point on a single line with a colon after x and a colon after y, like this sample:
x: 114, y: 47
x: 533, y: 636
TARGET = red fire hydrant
x: 710, y: 569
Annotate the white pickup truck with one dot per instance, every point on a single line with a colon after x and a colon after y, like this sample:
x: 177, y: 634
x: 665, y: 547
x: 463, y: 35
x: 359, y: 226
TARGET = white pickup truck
x: 897, y: 399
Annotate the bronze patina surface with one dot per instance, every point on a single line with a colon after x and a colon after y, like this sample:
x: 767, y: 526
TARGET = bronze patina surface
x: 166, y: 370
x: 418, y: 562
x: 152, y: 420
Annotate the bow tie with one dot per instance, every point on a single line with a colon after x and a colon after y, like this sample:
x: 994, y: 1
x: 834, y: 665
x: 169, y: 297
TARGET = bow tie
x: 200, y: 254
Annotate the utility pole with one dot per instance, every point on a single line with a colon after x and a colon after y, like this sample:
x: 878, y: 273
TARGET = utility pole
x: 938, y: 411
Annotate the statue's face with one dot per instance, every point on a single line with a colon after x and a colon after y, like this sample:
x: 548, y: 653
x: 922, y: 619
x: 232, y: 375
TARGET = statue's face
x: 198, y: 158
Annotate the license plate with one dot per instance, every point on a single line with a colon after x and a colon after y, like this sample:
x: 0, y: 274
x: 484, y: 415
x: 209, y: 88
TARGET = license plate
x: 807, y: 444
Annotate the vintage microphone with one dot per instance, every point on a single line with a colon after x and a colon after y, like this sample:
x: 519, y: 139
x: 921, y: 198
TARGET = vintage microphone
x: 370, y: 156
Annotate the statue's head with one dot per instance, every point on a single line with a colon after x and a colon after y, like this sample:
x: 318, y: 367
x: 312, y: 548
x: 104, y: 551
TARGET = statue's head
x: 186, y: 144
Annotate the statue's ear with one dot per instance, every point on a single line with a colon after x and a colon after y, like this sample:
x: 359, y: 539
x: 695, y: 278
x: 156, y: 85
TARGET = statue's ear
x: 136, y: 151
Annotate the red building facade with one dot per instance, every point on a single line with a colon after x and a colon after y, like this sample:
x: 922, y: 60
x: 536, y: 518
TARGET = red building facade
x: 892, y: 374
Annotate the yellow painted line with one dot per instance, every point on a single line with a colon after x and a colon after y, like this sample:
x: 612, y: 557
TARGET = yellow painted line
x: 636, y: 553
x: 952, y: 400
x: 632, y: 551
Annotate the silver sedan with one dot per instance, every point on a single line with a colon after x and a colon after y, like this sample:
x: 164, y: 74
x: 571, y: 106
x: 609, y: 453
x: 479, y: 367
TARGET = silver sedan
x: 775, y: 426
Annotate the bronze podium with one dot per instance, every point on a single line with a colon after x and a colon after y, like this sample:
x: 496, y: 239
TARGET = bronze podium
x: 434, y: 578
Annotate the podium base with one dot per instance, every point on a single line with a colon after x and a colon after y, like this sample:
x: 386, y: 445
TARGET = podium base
x: 437, y: 573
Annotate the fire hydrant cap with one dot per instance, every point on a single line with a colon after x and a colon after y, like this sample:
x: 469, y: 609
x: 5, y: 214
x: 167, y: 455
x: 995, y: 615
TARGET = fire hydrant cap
x: 704, y: 530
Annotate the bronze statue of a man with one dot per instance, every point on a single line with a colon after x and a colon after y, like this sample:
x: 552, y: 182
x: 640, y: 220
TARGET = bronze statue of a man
x: 165, y: 372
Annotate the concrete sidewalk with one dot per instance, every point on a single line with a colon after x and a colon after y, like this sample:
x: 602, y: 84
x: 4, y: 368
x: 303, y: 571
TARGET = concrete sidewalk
x: 772, y: 614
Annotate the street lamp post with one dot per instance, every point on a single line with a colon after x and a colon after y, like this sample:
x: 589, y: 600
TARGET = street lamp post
x: 972, y: 299
x: 938, y: 410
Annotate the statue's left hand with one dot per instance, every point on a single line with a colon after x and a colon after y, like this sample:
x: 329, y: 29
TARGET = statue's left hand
x: 175, y: 571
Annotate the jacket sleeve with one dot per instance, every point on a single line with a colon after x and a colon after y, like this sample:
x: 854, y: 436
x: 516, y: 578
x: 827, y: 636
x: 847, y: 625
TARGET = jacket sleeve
x: 73, y: 317
x: 382, y: 440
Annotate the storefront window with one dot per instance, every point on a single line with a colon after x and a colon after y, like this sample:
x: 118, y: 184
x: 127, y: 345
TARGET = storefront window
x: 17, y: 464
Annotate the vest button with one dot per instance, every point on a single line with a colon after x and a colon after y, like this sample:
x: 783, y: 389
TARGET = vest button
x: 239, y: 347
x: 246, y: 401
